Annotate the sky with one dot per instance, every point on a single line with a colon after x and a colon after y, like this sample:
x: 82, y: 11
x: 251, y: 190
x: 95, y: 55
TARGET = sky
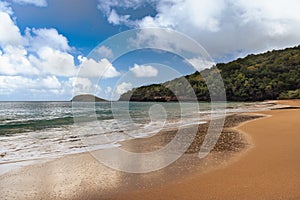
x: 47, y: 46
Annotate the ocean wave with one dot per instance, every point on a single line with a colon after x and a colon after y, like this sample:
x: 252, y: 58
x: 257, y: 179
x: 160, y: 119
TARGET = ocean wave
x: 20, y: 126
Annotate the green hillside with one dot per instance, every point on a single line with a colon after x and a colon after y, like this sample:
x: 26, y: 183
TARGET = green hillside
x: 271, y: 75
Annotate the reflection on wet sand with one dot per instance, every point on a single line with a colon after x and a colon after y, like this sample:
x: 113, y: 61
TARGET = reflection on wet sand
x: 81, y: 176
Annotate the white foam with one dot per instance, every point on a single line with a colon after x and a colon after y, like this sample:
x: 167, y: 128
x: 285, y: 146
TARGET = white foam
x: 77, y: 138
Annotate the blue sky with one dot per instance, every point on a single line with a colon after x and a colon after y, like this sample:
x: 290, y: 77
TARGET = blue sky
x: 45, y: 43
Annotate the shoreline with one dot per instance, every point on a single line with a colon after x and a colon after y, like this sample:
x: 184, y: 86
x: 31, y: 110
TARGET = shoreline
x: 68, y: 172
x: 16, y: 153
x: 11, y: 165
x: 71, y: 178
x: 269, y: 169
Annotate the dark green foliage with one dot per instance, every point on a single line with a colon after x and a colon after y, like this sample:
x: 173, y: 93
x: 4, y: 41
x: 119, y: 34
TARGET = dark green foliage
x: 271, y: 75
x: 291, y: 94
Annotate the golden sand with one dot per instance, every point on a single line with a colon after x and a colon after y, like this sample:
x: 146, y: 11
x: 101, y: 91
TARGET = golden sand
x: 270, y: 169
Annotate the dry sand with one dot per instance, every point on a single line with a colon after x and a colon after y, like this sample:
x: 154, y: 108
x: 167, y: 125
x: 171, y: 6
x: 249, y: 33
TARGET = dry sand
x: 270, y: 169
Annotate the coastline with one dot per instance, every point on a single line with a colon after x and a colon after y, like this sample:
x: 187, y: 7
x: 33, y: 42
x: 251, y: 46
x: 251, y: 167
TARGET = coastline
x: 268, y: 170
x: 81, y: 176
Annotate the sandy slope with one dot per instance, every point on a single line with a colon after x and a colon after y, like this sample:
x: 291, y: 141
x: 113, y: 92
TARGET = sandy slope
x: 80, y: 176
x: 270, y: 170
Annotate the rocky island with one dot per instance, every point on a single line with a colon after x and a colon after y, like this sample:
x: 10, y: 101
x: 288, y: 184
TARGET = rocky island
x: 87, y: 98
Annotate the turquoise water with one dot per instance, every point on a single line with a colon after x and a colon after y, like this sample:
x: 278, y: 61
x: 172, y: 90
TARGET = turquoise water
x: 19, y: 117
x: 30, y: 130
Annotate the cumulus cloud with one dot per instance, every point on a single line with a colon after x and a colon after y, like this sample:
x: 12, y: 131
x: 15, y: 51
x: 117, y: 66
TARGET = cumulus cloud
x: 38, y: 38
x: 200, y: 15
x: 50, y: 56
x: 48, y: 87
x: 37, y: 52
x: 9, y: 84
x: 97, y: 69
x: 116, y: 19
x: 55, y: 62
x: 113, y: 17
x: 40, y: 61
x: 39, y: 3
x: 166, y: 40
x: 104, y: 52
x: 9, y: 32
x: 201, y: 63
x: 123, y: 87
x: 80, y: 85
x: 50, y: 82
x: 223, y: 27
x: 44, y: 88
x: 40, y: 57
x: 14, y: 61
x: 4, y: 7
x: 144, y: 71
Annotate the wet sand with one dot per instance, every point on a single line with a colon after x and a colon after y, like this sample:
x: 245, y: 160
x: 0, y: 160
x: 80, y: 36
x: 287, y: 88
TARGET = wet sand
x: 269, y: 170
x: 81, y: 176
x: 262, y: 163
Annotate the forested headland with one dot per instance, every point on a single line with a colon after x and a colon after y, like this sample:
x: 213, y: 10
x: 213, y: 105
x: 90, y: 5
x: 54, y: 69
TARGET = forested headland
x: 267, y: 76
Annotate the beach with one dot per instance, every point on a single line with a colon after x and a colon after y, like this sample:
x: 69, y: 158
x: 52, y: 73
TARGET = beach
x: 269, y: 170
x: 256, y: 157
x: 149, y: 100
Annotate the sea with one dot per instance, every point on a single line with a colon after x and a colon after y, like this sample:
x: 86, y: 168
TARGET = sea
x: 36, y: 130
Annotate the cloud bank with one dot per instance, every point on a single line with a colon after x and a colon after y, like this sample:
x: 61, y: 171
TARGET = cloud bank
x: 41, y: 60
x: 224, y: 27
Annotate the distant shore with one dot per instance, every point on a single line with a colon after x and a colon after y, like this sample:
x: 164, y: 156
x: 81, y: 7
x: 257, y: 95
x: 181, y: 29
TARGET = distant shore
x: 80, y: 176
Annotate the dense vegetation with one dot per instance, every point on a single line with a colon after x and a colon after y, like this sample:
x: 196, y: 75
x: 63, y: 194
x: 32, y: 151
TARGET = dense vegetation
x: 271, y: 75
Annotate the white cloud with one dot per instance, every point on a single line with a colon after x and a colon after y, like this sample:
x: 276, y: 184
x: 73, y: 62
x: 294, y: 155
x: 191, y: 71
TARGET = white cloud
x: 38, y: 64
x: 106, y: 5
x: 13, y: 83
x: 104, y: 52
x: 39, y: 51
x: 10, y: 83
x: 165, y: 40
x: 54, y: 62
x: 200, y: 15
x: 39, y: 38
x: 116, y: 19
x: 39, y: 3
x: 9, y: 32
x: 169, y: 12
x: 4, y: 7
x: 80, y: 86
x: 144, y: 71
x: 40, y: 88
x: 277, y: 10
x: 223, y: 27
x: 97, y: 69
x: 123, y: 87
x: 201, y: 63
x: 14, y: 61
x: 50, y: 82
x: 17, y: 61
